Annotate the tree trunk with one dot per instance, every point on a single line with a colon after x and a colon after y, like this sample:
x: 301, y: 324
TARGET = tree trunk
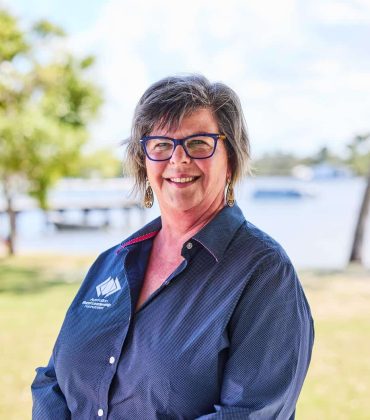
x: 10, y: 240
x: 358, y: 240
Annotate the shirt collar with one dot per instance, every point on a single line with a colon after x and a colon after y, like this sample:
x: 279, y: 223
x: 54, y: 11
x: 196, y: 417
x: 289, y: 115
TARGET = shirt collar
x: 215, y: 236
x: 146, y: 232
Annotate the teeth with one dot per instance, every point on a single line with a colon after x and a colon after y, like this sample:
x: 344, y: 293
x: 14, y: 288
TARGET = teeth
x: 182, y: 180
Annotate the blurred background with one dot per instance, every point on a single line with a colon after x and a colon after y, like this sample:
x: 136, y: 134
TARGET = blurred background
x: 71, y: 74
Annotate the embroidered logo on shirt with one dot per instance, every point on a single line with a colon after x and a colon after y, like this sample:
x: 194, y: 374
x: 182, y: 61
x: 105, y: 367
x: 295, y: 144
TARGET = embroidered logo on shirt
x: 108, y: 287
x: 103, y: 290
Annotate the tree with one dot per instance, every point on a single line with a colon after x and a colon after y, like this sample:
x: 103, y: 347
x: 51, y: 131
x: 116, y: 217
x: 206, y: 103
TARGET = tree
x: 100, y: 163
x: 46, y: 103
x: 360, y: 161
x: 275, y: 164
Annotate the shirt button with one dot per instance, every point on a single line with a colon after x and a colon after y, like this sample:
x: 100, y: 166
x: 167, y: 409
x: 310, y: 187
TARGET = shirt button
x: 100, y: 412
x: 189, y: 245
x: 112, y: 360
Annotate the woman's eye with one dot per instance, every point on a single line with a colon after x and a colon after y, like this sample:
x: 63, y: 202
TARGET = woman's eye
x: 163, y: 145
x: 197, y: 143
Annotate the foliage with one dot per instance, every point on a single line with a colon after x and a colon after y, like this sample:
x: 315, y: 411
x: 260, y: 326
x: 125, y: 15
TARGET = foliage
x: 275, y: 163
x: 324, y: 155
x: 359, y: 154
x: 12, y: 38
x: 279, y: 163
x: 46, y: 103
x: 100, y: 163
x: 44, y: 28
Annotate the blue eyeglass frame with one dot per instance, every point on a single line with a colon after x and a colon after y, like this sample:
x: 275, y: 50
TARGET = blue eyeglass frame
x: 180, y: 142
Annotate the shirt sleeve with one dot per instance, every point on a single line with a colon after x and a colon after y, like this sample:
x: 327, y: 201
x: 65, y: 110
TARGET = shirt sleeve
x: 48, y: 400
x: 271, y: 338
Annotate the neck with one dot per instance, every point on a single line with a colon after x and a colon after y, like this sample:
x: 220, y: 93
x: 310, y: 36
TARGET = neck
x: 180, y: 225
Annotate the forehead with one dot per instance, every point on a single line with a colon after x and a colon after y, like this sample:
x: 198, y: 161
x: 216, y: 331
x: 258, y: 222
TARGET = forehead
x: 200, y: 121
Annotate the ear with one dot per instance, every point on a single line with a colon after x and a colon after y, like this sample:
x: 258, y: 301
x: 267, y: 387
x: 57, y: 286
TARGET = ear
x: 228, y: 173
x: 229, y: 168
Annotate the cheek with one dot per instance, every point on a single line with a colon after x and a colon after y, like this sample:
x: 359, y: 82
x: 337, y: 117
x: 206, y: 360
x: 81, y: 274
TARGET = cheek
x: 215, y: 174
x: 154, y: 170
x: 223, y: 166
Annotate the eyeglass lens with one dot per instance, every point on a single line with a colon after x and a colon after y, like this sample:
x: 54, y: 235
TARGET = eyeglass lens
x: 196, y: 147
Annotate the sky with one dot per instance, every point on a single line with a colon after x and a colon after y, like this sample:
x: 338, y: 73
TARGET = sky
x: 300, y: 67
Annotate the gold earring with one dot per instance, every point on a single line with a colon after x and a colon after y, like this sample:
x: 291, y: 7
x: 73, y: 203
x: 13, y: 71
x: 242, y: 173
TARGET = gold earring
x: 230, y: 198
x: 149, y: 196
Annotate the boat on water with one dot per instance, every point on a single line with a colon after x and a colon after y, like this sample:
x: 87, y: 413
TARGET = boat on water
x: 280, y: 193
x: 61, y: 223
x: 78, y: 226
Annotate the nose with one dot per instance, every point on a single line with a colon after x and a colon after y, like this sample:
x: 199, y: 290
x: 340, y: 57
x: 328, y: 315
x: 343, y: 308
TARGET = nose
x: 179, y: 155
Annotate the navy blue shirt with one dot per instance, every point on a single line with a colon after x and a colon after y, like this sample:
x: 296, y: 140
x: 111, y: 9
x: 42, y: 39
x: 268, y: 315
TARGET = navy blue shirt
x: 228, y: 335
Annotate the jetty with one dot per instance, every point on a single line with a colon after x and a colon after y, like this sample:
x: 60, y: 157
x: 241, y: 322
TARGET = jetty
x: 80, y: 196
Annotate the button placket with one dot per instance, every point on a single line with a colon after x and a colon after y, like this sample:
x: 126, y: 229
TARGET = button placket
x: 110, y: 362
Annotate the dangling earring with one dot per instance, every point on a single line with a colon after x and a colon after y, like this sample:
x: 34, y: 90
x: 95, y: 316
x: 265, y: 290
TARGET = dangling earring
x: 149, y: 196
x: 230, y: 199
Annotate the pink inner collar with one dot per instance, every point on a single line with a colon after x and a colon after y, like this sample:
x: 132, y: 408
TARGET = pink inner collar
x: 136, y: 240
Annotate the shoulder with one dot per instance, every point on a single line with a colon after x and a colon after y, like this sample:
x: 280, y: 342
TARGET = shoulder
x: 271, y: 279
x: 256, y: 248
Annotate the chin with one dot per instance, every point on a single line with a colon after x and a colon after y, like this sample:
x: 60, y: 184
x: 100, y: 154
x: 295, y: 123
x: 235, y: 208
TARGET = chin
x: 184, y: 204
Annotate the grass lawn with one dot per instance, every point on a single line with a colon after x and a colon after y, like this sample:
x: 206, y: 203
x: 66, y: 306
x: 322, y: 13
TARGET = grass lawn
x: 35, y: 292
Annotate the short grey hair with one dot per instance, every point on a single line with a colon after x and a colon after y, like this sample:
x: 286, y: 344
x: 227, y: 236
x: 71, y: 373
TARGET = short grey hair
x: 166, y: 102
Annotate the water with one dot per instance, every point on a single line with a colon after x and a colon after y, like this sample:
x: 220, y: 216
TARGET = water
x: 316, y: 232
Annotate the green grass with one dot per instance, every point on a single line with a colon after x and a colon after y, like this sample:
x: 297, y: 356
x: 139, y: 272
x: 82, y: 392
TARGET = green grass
x: 35, y: 292
x: 338, y: 382
x: 34, y: 295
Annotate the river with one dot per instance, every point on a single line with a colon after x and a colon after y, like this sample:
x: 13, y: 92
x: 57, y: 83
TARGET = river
x: 316, y: 231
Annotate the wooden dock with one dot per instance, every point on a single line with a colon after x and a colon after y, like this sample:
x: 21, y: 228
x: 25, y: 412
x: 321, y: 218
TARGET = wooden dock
x: 83, y: 196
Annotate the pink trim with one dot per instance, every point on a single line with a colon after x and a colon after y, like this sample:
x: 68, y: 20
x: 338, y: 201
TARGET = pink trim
x: 136, y: 240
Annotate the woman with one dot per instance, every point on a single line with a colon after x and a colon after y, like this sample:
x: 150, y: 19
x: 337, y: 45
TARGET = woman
x: 199, y: 314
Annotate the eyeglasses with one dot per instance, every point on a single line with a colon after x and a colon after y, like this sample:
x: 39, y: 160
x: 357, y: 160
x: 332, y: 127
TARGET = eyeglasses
x: 196, y: 146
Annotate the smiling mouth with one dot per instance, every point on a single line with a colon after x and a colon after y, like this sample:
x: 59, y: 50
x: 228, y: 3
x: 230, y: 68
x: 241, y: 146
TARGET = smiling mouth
x: 186, y: 180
